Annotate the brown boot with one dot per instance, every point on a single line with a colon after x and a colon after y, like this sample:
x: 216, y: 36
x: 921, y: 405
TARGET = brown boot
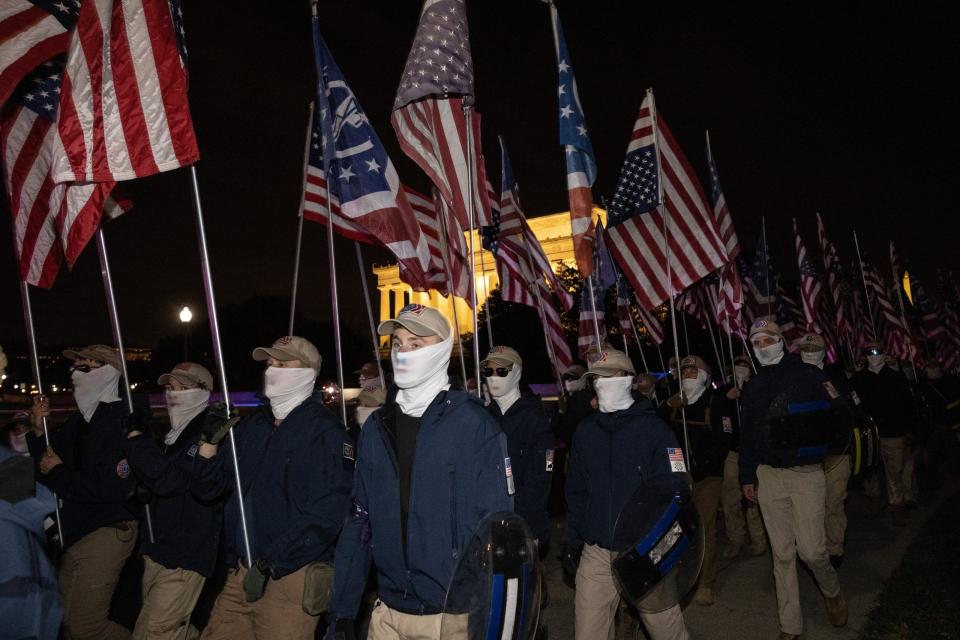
x: 703, y: 597
x: 837, y: 610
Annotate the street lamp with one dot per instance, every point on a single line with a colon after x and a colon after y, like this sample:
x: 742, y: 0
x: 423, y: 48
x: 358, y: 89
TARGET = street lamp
x: 185, y: 317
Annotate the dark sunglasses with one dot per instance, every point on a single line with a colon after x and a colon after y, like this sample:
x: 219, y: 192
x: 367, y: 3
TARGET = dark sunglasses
x: 82, y: 368
x: 874, y: 352
x: 500, y: 372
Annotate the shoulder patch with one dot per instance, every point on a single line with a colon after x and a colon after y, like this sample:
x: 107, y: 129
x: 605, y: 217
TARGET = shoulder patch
x: 727, y: 424
x: 123, y: 469
x: 675, y: 457
x: 831, y: 390
x: 192, y: 451
x: 855, y: 397
x: 508, y: 471
x: 349, y: 452
x: 549, y: 457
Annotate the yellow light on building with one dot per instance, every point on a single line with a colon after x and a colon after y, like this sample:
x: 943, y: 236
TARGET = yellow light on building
x: 906, y: 286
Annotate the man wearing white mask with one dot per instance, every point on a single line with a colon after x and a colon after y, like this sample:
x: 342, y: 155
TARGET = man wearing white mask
x: 86, y: 467
x: 431, y: 464
x: 615, y: 451
x: 529, y: 438
x: 739, y: 519
x: 186, y: 530
x: 885, y: 395
x: 790, y: 492
x: 296, y: 463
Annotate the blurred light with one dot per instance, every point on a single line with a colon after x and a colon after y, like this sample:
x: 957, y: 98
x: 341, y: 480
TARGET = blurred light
x: 186, y: 315
x: 3, y: 377
x: 16, y: 386
x: 906, y: 286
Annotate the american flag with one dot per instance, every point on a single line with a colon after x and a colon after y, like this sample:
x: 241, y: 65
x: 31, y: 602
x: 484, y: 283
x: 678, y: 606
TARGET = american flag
x: 892, y: 334
x: 369, y: 201
x: 639, y: 226
x: 651, y: 323
x: 730, y: 291
x: 693, y: 303
x: 730, y: 300
x: 124, y: 112
x: 810, y: 288
x: 927, y: 317
x: 624, y: 310
x: 789, y: 316
x: 581, y: 163
x: 948, y: 352
x: 32, y: 32
x: 839, y: 287
x: 52, y: 222
x: 452, y: 261
x: 720, y: 209
x: 592, y: 316
x: 429, y: 117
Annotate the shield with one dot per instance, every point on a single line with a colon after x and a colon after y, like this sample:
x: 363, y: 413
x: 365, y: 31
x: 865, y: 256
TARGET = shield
x: 659, y: 544
x: 810, y: 431
x: 495, y: 591
x: 865, y: 446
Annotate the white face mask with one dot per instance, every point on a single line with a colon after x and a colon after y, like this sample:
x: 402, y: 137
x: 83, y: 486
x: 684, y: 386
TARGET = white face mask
x: 771, y: 354
x: 183, y: 406
x: 575, y: 385
x: 505, y: 390
x: 93, y: 387
x: 741, y: 375
x: 813, y: 357
x: 875, y: 363
x: 363, y: 413
x: 287, y: 388
x: 693, y: 388
x: 614, y: 394
x: 421, y: 375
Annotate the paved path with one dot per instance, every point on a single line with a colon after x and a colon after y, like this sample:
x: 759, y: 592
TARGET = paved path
x: 746, y: 607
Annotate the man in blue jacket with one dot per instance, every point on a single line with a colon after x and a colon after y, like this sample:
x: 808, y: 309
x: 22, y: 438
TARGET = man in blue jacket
x: 186, y: 530
x: 86, y: 467
x: 431, y: 464
x: 296, y: 466
x: 529, y: 438
x: 615, y: 451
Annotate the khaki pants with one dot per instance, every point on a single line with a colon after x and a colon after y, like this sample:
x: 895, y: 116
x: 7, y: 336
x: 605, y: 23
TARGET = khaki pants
x: 836, y: 471
x: 169, y: 596
x: 596, y: 598
x: 706, y: 497
x: 89, y: 572
x: 278, y: 615
x: 390, y: 624
x: 792, y: 504
x: 893, y: 451
x: 733, y: 511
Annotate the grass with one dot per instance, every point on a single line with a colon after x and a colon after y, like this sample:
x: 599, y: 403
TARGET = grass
x: 921, y: 599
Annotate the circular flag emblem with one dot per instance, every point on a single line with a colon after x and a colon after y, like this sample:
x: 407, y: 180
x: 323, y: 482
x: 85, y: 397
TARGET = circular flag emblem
x: 123, y: 469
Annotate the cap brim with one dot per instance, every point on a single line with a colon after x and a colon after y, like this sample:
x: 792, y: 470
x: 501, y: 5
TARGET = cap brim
x: 607, y: 371
x: 71, y: 354
x: 387, y: 327
x: 501, y: 361
x: 265, y: 353
x: 182, y: 378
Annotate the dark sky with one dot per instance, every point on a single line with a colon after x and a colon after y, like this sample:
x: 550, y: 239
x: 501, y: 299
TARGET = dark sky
x: 843, y: 108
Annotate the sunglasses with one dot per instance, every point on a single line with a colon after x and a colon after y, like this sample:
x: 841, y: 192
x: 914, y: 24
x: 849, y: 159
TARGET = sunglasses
x: 874, y: 352
x: 500, y: 372
x: 82, y: 368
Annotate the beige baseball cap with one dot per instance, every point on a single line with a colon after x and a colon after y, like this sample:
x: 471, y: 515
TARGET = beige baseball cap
x: 189, y: 373
x: 504, y: 355
x: 99, y: 352
x: 695, y: 362
x: 609, y: 363
x: 766, y: 327
x: 368, y: 370
x: 742, y: 360
x: 418, y: 320
x: 812, y: 342
x: 372, y: 397
x: 291, y: 348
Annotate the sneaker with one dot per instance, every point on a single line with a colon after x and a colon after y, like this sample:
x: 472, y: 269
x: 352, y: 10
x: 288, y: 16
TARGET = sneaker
x: 732, y: 550
x: 703, y: 597
x: 837, y: 610
x: 836, y: 560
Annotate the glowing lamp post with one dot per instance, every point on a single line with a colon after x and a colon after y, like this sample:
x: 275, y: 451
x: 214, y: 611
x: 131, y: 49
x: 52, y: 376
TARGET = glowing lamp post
x: 185, y: 317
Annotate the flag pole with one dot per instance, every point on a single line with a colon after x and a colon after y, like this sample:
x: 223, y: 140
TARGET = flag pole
x: 373, y: 329
x: 866, y: 292
x: 218, y: 351
x: 766, y: 262
x: 296, y: 258
x: 471, y: 214
x: 445, y: 250
x: 35, y: 365
x: 118, y: 340
x: 686, y: 334
x: 487, y: 299
x: 593, y: 307
x: 535, y: 283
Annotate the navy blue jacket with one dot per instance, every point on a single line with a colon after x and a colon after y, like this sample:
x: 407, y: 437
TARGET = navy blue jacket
x: 530, y: 443
x: 886, y: 396
x: 186, y: 530
x: 296, y: 480
x: 767, y: 395
x: 613, y: 454
x: 94, y: 482
x: 458, y: 478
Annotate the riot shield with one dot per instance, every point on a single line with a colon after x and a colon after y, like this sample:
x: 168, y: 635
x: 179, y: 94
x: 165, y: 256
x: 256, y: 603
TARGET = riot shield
x: 810, y: 431
x: 659, y: 544
x: 495, y: 591
x: 864, y: 446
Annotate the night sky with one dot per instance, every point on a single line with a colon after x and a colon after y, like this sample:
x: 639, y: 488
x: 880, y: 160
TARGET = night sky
x: 811, y: 107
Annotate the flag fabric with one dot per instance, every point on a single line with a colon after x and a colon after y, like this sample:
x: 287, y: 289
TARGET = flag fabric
x: 578, y: 150
x: 429, y: 117
x: 789, y: 316
x: 624, y: 311
x: 948, y: 351
x: 810, y: 288
x: 892, y: 335
x: 368, y: 198
x: 606, y: 267
x: 592, y: 316
x: 651, y: 323
x: 693, y: 303
x: 639, y: 227
x: 931, y: 325
x: 452, y: 261
x: 730, y: 300
x: 839, y: 287
x: 721, y: 212
x: 124, y: 112
x: 32, y: 32
x: 52, y: 222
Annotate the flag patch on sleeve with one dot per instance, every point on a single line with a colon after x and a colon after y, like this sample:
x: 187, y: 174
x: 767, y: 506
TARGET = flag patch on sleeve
x: 508, y: 470
x: 675, y: 456
x: 727, y: 424
x: 549, y: 459
x: 348, y: 452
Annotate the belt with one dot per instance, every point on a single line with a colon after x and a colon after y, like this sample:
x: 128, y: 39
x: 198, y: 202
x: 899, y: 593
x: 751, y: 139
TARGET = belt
x: 421, y: 611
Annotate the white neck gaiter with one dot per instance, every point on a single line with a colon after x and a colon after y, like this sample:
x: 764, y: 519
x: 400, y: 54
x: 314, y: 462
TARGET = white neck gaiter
x: 813, y: 357
x: 93, y: 387
x: 693, y: 388
x: 287, y: 388
x: 505, y: 390
x: 614, y: 394
x: 421, y: 375
x: 771, y: 354
x: 875, y: 363
x: 575, y: 385
x: 183, y: 406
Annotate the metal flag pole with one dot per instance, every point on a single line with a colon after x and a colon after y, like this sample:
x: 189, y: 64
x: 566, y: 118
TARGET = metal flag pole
x: 686, y: 334
x: 296, y: 258
x: 663, y: 364
x: 488, y: 299
x: 866, y: 291
x: 471, y: 214
x: 118, y: 340
x: 373, y: 329
x: 593, y: 307
x: 218, y: 351
x: 335, y: 302
x: 766, y: 262
x: 535, y: 283
x: 35, y: 365
x: 445, y: 250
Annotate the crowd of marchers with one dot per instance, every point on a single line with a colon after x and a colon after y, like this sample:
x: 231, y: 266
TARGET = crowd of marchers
x: 359, y: 528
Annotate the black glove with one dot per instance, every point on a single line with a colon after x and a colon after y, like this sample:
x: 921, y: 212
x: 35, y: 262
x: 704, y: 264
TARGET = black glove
x: 570, y: 559
x: 341, y: 629
x: 218, y: 423
x: 255, y: 582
